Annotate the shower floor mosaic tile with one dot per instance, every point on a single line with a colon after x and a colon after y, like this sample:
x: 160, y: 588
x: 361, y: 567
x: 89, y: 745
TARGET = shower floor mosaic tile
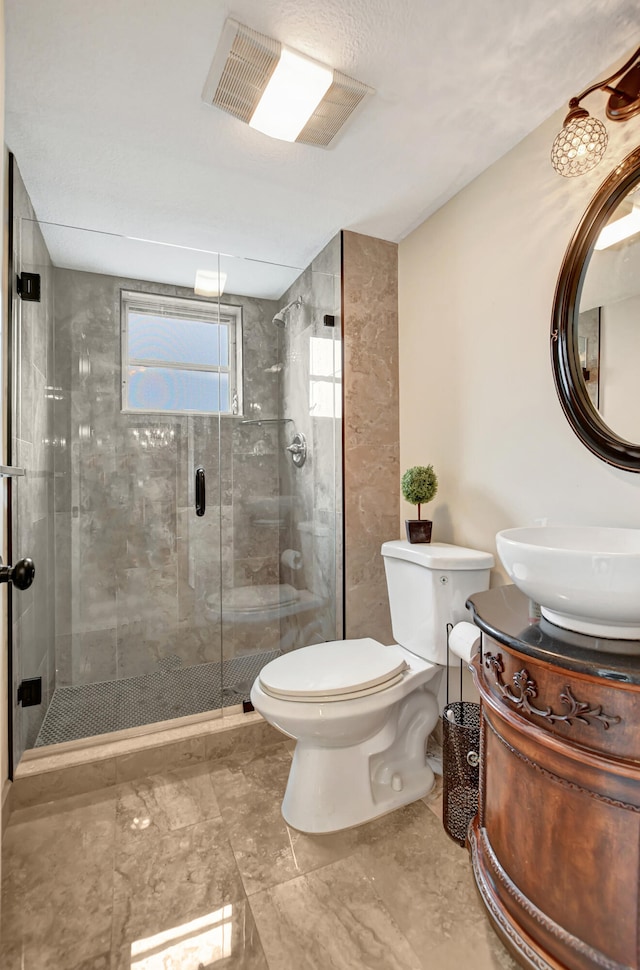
x: 172, y: 691
x: 195, y: 869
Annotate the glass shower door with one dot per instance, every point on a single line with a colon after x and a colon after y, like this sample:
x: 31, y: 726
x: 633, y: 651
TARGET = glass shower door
x: 139, y: 413
x: 282, y: 585
x: 178, y: 545
x: 118, y: 389
x: 30, y: 416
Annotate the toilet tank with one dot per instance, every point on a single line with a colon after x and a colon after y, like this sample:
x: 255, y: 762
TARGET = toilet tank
x: 428, y: 585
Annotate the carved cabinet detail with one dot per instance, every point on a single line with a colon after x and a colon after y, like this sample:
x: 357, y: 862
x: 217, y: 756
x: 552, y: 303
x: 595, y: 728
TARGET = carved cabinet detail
x: 555, y: 846
x: 526, y: 689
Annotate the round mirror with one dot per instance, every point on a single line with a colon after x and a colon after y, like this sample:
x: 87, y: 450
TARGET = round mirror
x: 595, y: 331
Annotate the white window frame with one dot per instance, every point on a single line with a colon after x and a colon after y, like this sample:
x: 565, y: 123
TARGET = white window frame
x: 331, y: 378
x: 187, y: 308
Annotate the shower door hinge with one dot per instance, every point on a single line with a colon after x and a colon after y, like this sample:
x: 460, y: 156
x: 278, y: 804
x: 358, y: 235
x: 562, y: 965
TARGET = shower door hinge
x: 28, y: 285
x: 30, y: 692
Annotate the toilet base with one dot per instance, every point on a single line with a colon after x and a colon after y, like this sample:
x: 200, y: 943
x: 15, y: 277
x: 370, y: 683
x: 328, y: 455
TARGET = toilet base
x: 331, y: 789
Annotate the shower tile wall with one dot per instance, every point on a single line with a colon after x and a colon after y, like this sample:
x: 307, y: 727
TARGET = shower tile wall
x: 371, y: 428
x: 366, y: 269
x: 139, y: 576
x: 32, y: 448
x: 315, y: 526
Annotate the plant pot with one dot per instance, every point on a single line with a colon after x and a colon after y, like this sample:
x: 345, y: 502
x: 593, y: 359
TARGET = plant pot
x: 418, y: 530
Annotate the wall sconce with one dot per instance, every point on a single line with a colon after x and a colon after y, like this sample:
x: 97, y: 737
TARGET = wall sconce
x: 278, y: 90
x: 583, y: 140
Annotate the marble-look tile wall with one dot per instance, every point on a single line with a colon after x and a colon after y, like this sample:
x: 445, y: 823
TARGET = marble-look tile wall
x: 371, y: 427
x: 139, y: 575
x: 312, y: 394
x: 366, y: 269
x: 32, y: 448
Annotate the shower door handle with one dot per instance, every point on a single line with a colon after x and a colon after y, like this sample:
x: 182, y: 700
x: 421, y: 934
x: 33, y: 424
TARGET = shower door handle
x: 21, y: 575
x: 201, y: 492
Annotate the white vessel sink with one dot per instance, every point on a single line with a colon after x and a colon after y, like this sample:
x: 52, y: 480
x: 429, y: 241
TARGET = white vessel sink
x: 584, y: 579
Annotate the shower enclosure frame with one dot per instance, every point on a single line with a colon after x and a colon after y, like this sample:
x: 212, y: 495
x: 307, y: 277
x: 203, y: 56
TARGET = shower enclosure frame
x: 8, y: 383
x: 337, y: 607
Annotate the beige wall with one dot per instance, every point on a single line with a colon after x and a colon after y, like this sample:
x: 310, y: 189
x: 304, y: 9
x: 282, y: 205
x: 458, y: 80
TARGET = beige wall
x: 371, y: 452
x: 619, y: 356
x: 477, y: 398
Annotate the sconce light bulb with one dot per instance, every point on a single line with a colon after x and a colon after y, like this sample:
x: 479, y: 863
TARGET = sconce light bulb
x: 579, y: 146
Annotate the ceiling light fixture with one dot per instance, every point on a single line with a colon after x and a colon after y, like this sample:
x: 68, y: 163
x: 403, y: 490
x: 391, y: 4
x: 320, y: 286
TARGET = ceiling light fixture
x: 292, y: 94
x: 278, y: 90
x: 583, y: 140
x: 209, y: 282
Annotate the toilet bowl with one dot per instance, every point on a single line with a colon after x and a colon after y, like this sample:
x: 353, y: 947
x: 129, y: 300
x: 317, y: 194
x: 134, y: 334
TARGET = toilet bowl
x: 342, y: 736
x: 360, y: 711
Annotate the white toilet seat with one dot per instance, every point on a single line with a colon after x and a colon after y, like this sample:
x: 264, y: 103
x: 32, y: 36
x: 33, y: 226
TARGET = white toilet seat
x: 334, y: 671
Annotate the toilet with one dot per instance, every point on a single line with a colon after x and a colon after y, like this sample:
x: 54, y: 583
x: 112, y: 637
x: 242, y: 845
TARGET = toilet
x: 361, y: 712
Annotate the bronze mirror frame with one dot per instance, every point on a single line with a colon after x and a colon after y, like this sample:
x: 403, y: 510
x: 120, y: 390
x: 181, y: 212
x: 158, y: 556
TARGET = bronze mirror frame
x: 567, y: 372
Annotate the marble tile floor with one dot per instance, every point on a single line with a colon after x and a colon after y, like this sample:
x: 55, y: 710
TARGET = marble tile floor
x: 195, y: 869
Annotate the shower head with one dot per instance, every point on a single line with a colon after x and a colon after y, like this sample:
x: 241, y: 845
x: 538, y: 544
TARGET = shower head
x: 279, y: 318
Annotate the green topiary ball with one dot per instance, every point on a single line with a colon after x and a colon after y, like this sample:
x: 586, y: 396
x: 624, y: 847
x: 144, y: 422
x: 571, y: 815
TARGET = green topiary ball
x: 419, y: 484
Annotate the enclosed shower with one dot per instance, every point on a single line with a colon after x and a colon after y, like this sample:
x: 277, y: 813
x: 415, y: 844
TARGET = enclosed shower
x: 180, y: 538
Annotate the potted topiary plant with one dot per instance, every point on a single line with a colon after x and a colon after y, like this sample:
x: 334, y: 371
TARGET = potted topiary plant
x: 419, y: 485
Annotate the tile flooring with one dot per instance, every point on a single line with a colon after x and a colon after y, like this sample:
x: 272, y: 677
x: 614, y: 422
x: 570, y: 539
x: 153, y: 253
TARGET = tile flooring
x: 171, y: 691
x: 195, y: 869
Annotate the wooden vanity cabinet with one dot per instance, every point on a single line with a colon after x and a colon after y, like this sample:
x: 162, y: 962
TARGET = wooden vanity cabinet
x: 556, y: 843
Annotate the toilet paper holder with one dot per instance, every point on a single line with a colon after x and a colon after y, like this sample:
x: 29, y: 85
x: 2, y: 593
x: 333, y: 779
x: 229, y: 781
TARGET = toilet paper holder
x: 460, y: 760
x: 450, y: 627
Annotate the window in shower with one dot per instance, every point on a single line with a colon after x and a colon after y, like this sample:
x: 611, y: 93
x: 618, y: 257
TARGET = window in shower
x: 325, y: 377
x: 180, y: 355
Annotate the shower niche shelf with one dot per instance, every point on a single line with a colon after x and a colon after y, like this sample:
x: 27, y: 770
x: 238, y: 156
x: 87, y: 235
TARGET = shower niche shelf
x: 259, y: 421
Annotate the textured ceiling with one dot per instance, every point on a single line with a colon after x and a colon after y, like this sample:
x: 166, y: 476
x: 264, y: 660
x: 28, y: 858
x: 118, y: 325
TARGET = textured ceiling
x: 105, y: 117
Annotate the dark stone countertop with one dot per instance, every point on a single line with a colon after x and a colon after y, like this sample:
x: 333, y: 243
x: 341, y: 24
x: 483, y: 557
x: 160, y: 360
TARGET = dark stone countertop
x: 504, y: 614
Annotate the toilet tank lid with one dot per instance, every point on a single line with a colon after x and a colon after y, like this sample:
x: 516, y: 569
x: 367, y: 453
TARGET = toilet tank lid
x: 437, y: 555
